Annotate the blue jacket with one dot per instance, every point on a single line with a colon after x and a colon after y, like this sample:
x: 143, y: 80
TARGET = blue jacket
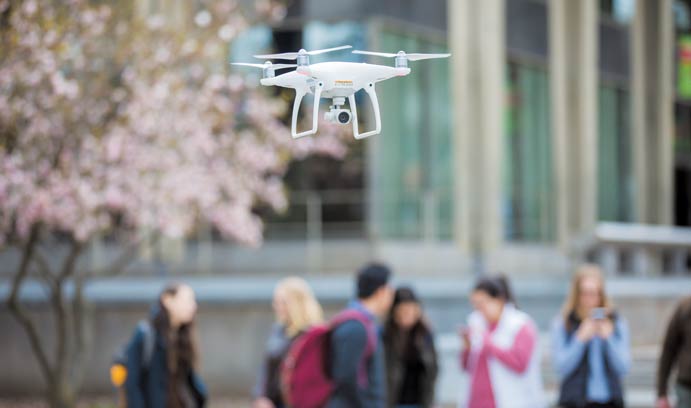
x: 146, y: 385
x: 348, y: 345
x: 592, y: 371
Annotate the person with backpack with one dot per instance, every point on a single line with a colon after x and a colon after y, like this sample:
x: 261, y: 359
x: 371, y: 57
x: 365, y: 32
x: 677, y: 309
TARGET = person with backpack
x: 411, y: 358
x: 161, y: 356
x: 296, y: 310
x: 500, y: 351
x: 590, y: 345
x: 357, y: 353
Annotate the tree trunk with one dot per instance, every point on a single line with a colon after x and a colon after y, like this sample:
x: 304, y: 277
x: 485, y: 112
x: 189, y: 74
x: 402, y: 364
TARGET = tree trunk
x: 61, y: 394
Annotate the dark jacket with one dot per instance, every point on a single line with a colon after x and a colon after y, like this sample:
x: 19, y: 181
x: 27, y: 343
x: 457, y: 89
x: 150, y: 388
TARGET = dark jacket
x: 676, y: 349
x: 573, y: 390
x: 146, y: 386
x: 268, y: 382
x: 348, y: 346
x: 416, y: 351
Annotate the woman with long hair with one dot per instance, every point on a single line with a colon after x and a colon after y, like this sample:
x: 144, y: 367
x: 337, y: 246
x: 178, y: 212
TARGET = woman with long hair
x: 296, y: 310
x: 411, y: 358
x: 590, y: 344
x: 500, y: 353
x: 166, y: 375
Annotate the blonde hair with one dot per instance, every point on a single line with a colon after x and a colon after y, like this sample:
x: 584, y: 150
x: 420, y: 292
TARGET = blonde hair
x: 302, y: 308
x: 583, y: 272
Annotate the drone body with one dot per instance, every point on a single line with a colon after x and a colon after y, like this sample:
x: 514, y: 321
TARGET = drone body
x: 336, y: 81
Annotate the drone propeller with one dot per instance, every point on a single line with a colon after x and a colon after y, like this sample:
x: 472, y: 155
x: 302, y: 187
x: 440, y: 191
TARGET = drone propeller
x: 267, y: 64
x: 302, y: 52
x: 268, y: 68
x: 402, y: 54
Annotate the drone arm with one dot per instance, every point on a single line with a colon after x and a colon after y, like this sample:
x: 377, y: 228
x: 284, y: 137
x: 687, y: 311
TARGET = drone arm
x: 377, y: 117
x: 299, y: 94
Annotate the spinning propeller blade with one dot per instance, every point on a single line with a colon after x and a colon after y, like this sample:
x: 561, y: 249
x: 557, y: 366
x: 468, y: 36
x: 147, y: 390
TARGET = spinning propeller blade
x: 409, y: 57
x: 294, y: 55
x: 262, y: 66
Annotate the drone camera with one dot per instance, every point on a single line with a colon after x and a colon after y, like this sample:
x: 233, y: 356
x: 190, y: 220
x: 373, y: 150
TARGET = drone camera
x: 340, y: 116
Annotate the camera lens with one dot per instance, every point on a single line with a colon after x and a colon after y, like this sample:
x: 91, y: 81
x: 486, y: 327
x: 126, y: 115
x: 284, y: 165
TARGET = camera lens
x: 344, y: 117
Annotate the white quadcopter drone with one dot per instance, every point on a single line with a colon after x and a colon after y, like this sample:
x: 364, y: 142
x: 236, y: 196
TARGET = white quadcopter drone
x: 336, y: 81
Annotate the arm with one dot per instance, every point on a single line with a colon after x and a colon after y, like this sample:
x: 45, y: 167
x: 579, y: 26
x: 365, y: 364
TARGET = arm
x: 348, y: 344
x: 432, y: 372
x: 565, y: 354
x: 619, y: 349
x: 670, y: 349
x: 465, y: 358
x: 275, y: 335
x: 134, y: 352
x: 518, y: 355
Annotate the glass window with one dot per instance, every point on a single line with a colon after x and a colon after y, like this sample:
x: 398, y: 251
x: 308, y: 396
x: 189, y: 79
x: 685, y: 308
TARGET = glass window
x: 527, y: 173
x: 319, y: 35
x: 412, y: 186
x: 615, y: 178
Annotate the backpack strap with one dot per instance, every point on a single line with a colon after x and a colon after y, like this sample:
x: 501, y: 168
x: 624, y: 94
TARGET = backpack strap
x: 149, y: 342
x: 372, y: 336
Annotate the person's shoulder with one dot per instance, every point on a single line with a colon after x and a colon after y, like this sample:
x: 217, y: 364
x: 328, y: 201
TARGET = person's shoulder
x: 558, y: 322
x: 351, y: 326
x: 142, y: 329
x: 684, y: 307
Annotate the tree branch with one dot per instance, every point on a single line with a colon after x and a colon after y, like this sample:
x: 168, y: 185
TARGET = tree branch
x: 119, y: 265
x: 59, y: 309
x: 79, y: 348
x: 20, y: 314
x: 44, y: 268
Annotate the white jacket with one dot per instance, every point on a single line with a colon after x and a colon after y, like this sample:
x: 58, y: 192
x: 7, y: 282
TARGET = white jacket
x: 511, y: 389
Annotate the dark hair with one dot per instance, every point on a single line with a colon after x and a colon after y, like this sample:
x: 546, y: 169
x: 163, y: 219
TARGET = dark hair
x: 370, y: 278
x: 404, y: 294
x: 393, y: 336
x: 182, y: 353
x: 491, y: 287
x: 497, y: 287
x: 503, y: 281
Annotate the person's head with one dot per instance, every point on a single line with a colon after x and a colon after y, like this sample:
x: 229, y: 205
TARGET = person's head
x: 179, y: 303
x: 488, y: 298
x: 503, y: 282
x: 406, y: 311
x: 295, y: 305
x: 587, y: 292
x: 373, y: 287
x: 174, y: 321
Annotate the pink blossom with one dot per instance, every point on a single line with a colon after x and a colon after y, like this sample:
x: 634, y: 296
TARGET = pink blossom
x: 174, y: 144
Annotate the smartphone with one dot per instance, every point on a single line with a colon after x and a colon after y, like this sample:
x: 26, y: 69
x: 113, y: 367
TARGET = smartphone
x: 598, y: 313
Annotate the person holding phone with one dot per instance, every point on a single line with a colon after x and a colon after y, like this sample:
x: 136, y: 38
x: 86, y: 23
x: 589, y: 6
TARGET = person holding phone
x: 590, y: 341
x: 501, y: 354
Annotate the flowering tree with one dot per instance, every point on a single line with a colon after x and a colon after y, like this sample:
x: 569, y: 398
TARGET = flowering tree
x: 114, y: 124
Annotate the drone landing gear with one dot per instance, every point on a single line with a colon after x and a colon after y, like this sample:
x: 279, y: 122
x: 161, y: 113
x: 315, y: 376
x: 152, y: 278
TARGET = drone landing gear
x: 369, y: 88
x: 299, y: 94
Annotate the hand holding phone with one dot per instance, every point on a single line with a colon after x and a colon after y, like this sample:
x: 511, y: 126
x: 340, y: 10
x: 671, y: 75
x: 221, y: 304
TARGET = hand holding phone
x: 598, y: 313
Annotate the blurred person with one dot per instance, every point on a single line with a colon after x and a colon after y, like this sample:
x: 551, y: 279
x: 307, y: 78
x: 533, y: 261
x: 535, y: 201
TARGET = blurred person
x: 500, y: 352
x: 170, y: 378
x: 590, y: 344
x: 411, y: 358
x: 296, y: 310
x: 507, y: 292
x: 676, y: 350
x: 358, y: 371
